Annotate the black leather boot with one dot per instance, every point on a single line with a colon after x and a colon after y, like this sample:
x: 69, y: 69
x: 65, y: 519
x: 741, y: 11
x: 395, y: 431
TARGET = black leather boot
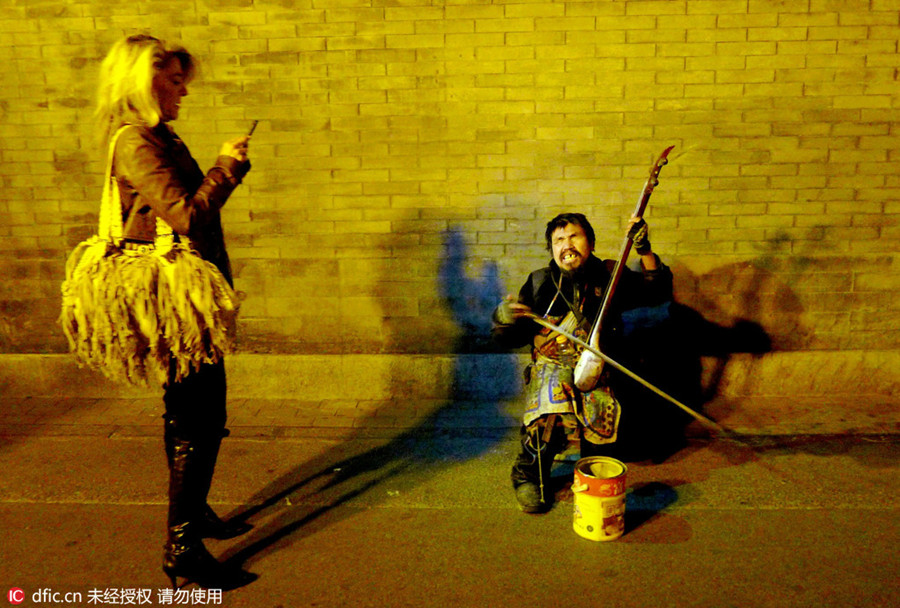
x: 209, y: 524
x: 212, y: 526
x: 185, y: 555
x: 530, y: 473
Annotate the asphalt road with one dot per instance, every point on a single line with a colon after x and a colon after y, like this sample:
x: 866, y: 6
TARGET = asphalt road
x: 426, y: 520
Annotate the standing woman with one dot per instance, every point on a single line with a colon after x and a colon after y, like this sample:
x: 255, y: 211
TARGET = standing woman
x: 142, y: 82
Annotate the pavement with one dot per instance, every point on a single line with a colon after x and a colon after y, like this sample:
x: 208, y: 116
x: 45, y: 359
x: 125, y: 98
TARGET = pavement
x: 369, y: 511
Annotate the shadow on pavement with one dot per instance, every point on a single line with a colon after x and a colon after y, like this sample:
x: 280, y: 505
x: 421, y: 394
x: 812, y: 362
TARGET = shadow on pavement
x: 305, y: 500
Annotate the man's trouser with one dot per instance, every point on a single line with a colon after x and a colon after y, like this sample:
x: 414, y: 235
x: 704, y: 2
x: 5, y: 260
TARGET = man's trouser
x: 541, y: 442
x: 546, y: 438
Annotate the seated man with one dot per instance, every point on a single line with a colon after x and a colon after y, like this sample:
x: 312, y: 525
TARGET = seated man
x: 568, y: 293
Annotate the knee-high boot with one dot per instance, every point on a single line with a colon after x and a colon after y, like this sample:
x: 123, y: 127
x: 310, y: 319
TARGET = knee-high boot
x: 185, y: 555
x: 530, y: 474
x: 211, y: 525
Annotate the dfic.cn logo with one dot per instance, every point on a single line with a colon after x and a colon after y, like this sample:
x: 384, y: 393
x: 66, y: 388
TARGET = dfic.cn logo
x: 16, y: 596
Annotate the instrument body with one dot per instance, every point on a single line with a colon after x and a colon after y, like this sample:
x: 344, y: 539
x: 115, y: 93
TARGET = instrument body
x: 597, y: 353
x: 590, y: 366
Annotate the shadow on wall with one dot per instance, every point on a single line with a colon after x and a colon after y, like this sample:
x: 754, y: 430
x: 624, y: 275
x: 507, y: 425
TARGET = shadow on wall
x: 671, y: 356
x: 363, y: 468
x: 471, y: 303
x: 761, y: 289
x: 745, y: 307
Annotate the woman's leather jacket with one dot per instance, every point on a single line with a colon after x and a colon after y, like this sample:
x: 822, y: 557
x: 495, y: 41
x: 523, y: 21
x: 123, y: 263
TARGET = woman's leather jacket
x: 158, y: 177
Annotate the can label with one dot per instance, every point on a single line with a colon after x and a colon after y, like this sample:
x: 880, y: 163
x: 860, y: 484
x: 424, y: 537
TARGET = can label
x: 599, y: 489
x: 599, y: 518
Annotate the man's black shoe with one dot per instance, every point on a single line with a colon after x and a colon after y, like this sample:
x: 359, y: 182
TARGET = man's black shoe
x: 529, y: 496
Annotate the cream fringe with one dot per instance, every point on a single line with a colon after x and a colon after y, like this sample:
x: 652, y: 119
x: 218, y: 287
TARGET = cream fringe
x: 131, y: 315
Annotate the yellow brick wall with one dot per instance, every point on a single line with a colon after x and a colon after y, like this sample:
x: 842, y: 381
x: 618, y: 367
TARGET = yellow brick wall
x: 410, y: 153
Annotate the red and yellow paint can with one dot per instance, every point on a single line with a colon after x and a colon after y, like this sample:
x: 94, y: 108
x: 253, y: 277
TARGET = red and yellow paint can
x: 599, y: 489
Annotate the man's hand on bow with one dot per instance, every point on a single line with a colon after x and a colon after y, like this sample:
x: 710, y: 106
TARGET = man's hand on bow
x: 510, y: 310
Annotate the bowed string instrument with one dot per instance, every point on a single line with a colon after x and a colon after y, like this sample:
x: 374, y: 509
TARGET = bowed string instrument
x: 590, y: 366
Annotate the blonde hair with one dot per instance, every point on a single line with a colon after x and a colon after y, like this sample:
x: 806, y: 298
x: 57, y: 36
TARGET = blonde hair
x: 126, y: 93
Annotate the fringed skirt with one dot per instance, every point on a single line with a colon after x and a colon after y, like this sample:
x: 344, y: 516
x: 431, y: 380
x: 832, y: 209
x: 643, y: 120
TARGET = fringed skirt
x: 135, y: 316
x: 551, y: 390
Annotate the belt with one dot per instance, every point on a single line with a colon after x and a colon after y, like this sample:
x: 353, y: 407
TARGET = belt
x: 138, y: 246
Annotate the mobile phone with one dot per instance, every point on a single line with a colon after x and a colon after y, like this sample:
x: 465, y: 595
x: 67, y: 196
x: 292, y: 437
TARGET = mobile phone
x: 252, y: 128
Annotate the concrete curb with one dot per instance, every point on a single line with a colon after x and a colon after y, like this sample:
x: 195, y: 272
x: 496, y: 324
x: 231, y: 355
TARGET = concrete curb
x: 296, y: 395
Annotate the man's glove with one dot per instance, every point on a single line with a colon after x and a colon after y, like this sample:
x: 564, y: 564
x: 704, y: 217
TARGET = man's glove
x: 504, y: 314
x: 639, y: 234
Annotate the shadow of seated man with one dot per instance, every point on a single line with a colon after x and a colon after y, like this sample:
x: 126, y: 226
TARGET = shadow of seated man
x: 666, y: 346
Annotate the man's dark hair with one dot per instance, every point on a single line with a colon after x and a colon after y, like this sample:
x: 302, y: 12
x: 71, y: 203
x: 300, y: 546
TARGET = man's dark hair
x: 564, y: 219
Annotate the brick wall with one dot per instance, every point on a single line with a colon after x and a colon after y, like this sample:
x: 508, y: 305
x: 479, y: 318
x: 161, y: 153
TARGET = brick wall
x: 410, y: 152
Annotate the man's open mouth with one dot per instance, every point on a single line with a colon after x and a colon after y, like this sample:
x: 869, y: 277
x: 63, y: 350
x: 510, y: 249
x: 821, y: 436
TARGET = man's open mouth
x: 569, y: 256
